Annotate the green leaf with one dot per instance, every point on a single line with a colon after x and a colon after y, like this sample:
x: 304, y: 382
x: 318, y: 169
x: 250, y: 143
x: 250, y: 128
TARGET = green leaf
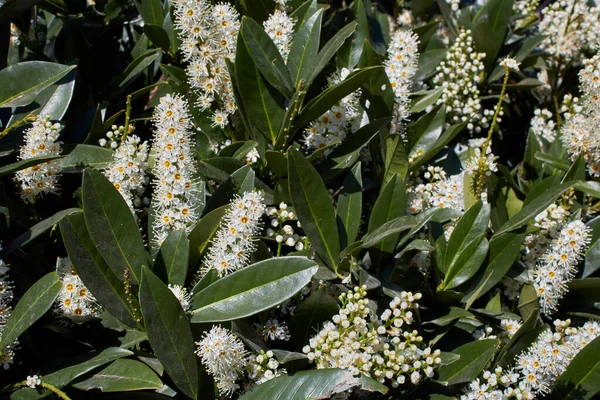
x: 581, y: 379
x: 546, y: 197
x: 329, y: 97
x: 172, y: 260
x: 122, y: 375
x: 239, y: 182
x: 304, y: 49
x: 427, y: 99
x: 315, y: 309
x: 552, y: 161
x: 259, y: 99
x: 390, y: 205
x: 474, y: 357
x: 313, y: 207
x: 277, y: 162
x: 152, y: 12
x: 52, y: 101
x: 590, y: 187
x: 528, y: 301
x: 250, y: 290
x: 107, y: 287
x: 499, y: 13
x: 266, y: 56
x: 37, y: 230
x: 85, y: 155
x: 428, y: 61
x: 22, y: 164
x: 203, y: 232
x: 455, y: 313
x: 33, y: 305
x: 438, y: 145
x: 158, y: 36
x: 313, y: 384
x: 64, y: 376
x: 111, y: 225
x: 396, y: 159
x: 349, y: 206
x: 329, y: 50
x: 391, y: 228
x: 303, y: 12
x: 169, y: 333
x: 592, y: 256
x: 466, y: 247
x: 22, y: 82
x: 504, y: 251
x: 134, y: 68
x: 378, y: 89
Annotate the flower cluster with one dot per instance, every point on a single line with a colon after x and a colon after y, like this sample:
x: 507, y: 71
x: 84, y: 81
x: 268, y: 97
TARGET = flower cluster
x: 543, y: 126
x: 234, y: 241
x: 580, y: 133
x: 128, y: 170
x: 40, y: 141
x: 558, y: 265
x: 342, y: 119
x: 74, y: 299
x: 264, y: 367
x: 114, y: 137
x: 400, y: 67
x: 6, y: 295
x: 224, y: 357
x: 537, y: 368
x: 280, y: 28
x: 439, y: 190
x: 480, y: 166
x: 459, y: 75
x: 550, y: 221
x: 570, y: 31
x: 176, y: 194
x: 208, y: 37
x: 508, y: 328
x: 282, y: 232
x: 381, y: 349
x: 525, y: 7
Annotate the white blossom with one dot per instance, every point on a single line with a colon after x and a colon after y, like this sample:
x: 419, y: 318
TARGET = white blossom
x: 74, y: 298
x: 280, y: 28
x: 6, y: 296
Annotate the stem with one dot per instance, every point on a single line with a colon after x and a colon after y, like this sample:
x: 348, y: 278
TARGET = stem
x: 496, y: 112
x: 26, y: 120
x: 127, y: 116
x: 55, y: 390
x: 278, y: 249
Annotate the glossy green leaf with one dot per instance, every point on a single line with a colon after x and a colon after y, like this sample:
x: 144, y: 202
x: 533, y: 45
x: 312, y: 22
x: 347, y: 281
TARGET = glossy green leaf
x: 111, y: 225
x: 303, y: 13
x: 37, y: 230
x: 528, y: 301
x: 313, y: 207
x: 474, y: 357
x: 259, y: 100
x: 64, y: 376
x: 169, y: 333
x: 266, y: 56
x: 396, y: 159
x: 239, y: 182
x: 454, y: 314
x: 329, y: 50
x: 107, y: 287
x: 52, y: 101
x: 250, y: 290
x: 390, y: 204
x: 428, y: 61
x: 304, y: 49
x: 152, y: 12
x: 427, y: 99
x: 546, y: 197
x: 134, y: 69
x: 22, y: 164
x: 438, y: 145
x: 313, y: 384
x: 589, y: 187
x: 158, y: 36
x: 349, y: 206
x: 329, y: 97
x: 466, y: 247
x: 23, y: 82
x: 504, y: 251
x: 85, y: 155
x: 172, y: 260
x: 592, y: 255
x: 315, y: 309
x: 581, y: 379
x: 122, y: 375
x: 203, y: 232
x: 499, y: 13
x: 391, y: 228
x: 32, y: 306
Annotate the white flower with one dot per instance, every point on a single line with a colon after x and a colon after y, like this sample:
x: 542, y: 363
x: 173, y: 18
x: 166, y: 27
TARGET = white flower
x: 342, y: 119
x: 176, y: 193
x: 252, y: 156
x: 400, y: 67
x: 280, y: 28
x: 40, y: 141
x: 234, y: 241
x: 6, y: 296
x: 128, y: 171
x: 440, y: 191
x: 264, y: 367
x: 224, y: 357
x: 33, y: 381
x: 74, y: 298
x: 208, y: 38
x: 182, y: 295
x: 273, y: 330
x: 543, y: 126
x: 510, y: 64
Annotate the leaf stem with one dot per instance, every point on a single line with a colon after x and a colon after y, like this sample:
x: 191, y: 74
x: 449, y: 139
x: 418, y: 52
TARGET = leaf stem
x: 496, y: 112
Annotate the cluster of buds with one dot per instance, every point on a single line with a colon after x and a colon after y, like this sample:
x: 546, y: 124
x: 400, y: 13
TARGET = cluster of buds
x: 283, y: 232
